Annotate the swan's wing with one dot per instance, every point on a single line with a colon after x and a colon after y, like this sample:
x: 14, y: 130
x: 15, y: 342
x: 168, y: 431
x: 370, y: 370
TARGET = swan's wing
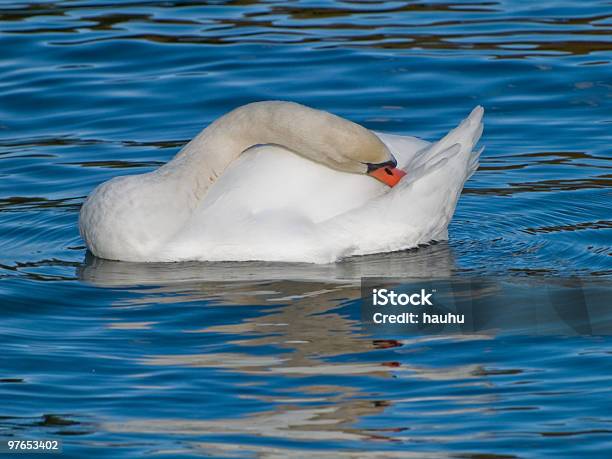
x: 420, y: 207
x: 311, y: 213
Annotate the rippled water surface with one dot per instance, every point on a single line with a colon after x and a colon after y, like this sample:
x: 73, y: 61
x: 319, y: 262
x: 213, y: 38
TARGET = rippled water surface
x: 265, y: 360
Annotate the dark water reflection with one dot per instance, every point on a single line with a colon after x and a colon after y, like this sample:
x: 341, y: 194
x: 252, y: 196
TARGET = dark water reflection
x: 436, y: 260
x: 270, y: 360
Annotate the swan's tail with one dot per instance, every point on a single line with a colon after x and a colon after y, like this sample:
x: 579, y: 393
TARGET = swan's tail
x: 459, y: 141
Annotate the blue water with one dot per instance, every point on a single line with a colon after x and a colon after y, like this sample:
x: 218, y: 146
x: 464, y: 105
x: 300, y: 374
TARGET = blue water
x: 265, y: 360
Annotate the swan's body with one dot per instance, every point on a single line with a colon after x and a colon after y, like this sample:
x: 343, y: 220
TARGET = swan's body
x: 216, y: 201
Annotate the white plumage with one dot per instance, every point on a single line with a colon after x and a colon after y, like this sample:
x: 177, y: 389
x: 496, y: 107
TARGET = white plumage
x: 274, y: 204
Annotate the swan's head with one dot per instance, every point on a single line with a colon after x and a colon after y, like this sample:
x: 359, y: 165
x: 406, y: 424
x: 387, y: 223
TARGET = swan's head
x: 365, y: 153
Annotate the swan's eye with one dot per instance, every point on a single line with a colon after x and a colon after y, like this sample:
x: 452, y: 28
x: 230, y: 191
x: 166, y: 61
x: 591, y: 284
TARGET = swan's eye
x: 387, y: 165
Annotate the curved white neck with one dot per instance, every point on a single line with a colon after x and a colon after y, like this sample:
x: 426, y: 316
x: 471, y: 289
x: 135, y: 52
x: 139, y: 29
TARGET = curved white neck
x: 314, y: 134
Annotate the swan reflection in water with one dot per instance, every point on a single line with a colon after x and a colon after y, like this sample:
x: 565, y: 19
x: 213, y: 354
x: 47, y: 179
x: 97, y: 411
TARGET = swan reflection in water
x: 310, y: 325
x: 305, y: 325
x: 435, y: 260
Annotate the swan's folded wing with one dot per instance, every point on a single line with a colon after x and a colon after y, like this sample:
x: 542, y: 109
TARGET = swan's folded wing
x: 420, y: 207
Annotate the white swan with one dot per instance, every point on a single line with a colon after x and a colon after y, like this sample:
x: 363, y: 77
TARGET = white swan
x: 278, y: 181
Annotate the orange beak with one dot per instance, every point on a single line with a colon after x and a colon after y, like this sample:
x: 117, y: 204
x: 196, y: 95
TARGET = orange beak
x: 388, y: 175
